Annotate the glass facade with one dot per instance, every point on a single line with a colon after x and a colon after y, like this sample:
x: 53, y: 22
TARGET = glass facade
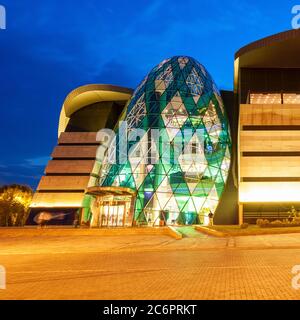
x: 179, y: 163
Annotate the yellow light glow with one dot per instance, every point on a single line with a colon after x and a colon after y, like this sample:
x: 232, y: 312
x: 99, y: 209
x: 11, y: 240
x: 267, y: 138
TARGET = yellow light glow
x: 55, y: 204
x: 61, y: 200
x: 269, y: 192
x: 19, y: 199
x: 206, y: 220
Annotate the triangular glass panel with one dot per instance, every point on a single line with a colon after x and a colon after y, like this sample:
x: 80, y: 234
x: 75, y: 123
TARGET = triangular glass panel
x: 182, y: 61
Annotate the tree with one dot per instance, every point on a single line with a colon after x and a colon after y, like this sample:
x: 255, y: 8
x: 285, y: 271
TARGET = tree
x: 14, y: 204
x: 294, y: 214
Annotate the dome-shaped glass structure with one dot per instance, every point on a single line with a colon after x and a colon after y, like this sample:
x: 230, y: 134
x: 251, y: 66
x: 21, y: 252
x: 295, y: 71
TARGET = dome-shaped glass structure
x: 178, y: 145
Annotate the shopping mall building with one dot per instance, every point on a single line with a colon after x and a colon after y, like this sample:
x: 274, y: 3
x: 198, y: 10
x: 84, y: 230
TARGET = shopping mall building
x: 178, y: 148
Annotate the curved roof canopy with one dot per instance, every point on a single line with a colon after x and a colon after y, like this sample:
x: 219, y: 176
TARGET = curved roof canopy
x: 87, y: 95
x: 115, y: 191
x: 281, y: 50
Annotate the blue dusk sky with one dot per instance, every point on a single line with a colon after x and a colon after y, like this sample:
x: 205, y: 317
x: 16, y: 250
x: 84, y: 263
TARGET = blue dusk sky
x: 51, y: 47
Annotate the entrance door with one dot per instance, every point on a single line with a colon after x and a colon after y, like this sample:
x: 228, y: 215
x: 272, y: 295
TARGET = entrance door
x: 113, y: 214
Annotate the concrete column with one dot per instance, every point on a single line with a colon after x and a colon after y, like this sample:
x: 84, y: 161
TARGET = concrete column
x: 241, y: 213
x: 131, y: 211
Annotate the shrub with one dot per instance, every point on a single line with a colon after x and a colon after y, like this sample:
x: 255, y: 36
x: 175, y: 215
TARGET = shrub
x: 244, y: 226
x: 262, y: 222
x: 277, y: 222
x: 294, y: 215
x: 296, y: 220
x: 14, y: 204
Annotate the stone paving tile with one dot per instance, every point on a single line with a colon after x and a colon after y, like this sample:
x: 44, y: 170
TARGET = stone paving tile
x: 283, y: 240
x: 62, y: 244
x: 167, y: 276
x: 149, y: 267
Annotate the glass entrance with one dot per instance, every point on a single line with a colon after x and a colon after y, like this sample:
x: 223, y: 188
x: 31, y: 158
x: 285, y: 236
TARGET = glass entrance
x: 113, y: 214
x: 113, y: 211
x: 111, y: 207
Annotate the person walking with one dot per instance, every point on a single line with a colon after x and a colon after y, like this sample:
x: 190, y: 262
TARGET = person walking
x: 76, y: 222
x: 211, y: 218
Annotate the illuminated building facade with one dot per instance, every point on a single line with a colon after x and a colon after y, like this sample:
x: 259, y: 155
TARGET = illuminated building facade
x: 267, y: 89
x: 179, y: 177
x: 249, y: 146
x: 73, y: 167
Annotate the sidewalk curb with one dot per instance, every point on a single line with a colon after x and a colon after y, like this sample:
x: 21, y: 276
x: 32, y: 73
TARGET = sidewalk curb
x: 212, y: 232
x: 221, y: 234
x: 174, y: 233
x: 102, y: 232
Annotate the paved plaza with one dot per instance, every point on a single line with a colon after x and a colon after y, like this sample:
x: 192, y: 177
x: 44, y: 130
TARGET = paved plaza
x: 54, y: 264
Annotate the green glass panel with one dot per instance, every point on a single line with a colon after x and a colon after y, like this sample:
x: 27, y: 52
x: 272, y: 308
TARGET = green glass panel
x: 176, y: 79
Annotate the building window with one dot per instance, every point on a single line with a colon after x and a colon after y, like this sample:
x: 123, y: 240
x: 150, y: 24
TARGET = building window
x: 291, y: 98
x: 265, y: 98
x: 274, y: 98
